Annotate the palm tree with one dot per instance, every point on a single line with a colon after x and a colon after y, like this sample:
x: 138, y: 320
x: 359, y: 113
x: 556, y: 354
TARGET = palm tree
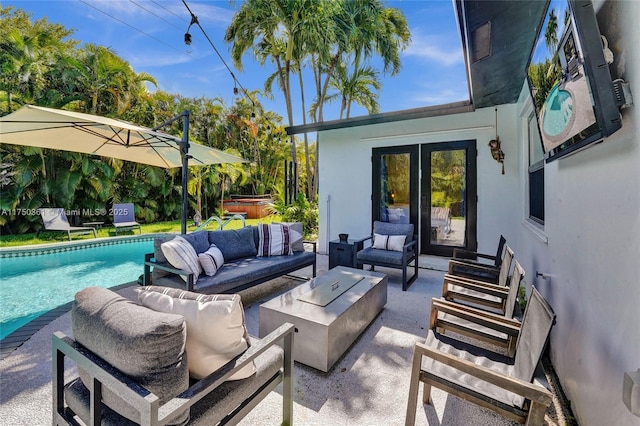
x: 364, y: 28
x: 284, y: 32
x: 551, y: 32
x: 356, y: 87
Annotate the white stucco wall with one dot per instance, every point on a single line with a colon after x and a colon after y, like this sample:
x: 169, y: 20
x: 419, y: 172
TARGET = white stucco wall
x: 345, y: 171
x: 592, y: 222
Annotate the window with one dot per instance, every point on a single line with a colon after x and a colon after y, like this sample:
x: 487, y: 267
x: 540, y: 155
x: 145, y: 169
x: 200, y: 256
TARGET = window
x: 536, y: 173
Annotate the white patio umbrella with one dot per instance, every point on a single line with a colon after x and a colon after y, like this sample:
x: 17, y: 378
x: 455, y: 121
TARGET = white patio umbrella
x: 108, y: 137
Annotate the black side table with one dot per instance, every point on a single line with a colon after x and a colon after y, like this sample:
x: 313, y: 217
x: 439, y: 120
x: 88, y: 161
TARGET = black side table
x: 343, y: 253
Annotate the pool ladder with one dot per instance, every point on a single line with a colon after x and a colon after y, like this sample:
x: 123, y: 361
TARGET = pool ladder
x: 221, y: 222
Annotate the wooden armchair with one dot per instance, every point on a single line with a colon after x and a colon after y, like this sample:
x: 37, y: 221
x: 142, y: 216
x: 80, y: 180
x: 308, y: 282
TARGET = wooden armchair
x: 478, y: 292
x: 132, y: 369
x: 480, y: 324
x: 466, y: 261
x: 390, y: 255
x: 482, y: 377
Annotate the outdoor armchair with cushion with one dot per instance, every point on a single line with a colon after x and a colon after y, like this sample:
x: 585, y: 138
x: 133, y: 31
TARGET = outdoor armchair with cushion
x: 55, y: 219
x: 133, y: 368
x: 479, y: 324
x: 467, y: 260
x: 389, y: 254
x: 124, y: 217
x: 506, y: 386
x: 478, y: 292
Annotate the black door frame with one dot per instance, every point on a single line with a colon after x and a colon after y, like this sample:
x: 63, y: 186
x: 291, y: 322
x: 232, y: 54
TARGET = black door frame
x: 413, y: 151
x: 471, y: 197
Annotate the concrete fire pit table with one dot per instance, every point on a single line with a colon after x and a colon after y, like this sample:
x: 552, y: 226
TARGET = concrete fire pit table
x: 329, y: 313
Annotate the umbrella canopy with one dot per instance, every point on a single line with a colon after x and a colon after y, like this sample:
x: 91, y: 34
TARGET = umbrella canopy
x: 108, y: 137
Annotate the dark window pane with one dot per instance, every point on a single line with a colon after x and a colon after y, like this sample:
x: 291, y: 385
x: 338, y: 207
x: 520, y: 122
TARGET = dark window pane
x: 536, y: 195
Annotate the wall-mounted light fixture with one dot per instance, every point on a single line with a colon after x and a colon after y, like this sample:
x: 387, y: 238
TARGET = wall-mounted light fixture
x: 494, y: 146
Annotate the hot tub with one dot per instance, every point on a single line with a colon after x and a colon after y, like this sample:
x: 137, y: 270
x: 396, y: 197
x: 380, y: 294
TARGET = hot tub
x: 255, y: 208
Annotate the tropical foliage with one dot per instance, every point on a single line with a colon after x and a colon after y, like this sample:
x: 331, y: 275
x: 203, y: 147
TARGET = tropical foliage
x: 447, y: 179
x: 41, y: 65
x: 301, y: 210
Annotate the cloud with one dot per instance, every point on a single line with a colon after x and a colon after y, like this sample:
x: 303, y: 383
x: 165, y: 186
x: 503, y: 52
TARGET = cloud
x: 441, y: 97
x: 142, y: 60
x: 443, y: 50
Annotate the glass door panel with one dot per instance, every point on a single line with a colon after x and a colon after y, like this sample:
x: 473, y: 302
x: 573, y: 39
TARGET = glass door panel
x: 448, y: 188
x: 395, y: 184
x: 394, y: 188
x: 448, y: 207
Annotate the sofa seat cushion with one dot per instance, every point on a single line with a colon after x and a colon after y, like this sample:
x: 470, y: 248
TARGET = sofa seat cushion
x: 146, y: 345
x: 374, y: 255
x: 230, y: 395
x: 248, y: 269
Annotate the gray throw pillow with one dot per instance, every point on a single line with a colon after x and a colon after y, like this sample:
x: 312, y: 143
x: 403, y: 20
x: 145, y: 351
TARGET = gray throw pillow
x: 146, y: 345
x: 199, y: 240
x: 234, y: 243
x: 296, y: 244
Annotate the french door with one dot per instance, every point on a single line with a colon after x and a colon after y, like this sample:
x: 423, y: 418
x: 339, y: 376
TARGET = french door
x: 448, y: 202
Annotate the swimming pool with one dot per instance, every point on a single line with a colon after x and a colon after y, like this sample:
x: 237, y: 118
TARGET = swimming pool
x: 33, y: 284
x: 558, y: 109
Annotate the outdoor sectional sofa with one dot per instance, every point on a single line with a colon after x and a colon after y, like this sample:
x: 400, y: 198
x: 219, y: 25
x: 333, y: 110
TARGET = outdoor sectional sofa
x: 242, y: 267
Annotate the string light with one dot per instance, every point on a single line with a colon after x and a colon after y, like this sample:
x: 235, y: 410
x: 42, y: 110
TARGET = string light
x: 188, y: 39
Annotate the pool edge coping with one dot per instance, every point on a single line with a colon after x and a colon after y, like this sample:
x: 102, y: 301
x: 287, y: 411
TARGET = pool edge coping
x: 62, y: 246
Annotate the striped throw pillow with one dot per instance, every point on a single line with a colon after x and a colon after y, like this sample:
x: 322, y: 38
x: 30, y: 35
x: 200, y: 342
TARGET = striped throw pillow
x: 388, y: 242
x: 275, y: 240
x: 211, y: 260
x: 216, y: 327
x: 181, y: 255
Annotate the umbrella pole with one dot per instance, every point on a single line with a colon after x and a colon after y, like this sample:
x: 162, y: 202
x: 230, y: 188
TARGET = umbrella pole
x: 184, y: 153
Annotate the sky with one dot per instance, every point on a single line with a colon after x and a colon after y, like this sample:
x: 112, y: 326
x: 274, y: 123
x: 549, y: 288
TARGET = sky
x: 149, y: 34
x: 541, y: 51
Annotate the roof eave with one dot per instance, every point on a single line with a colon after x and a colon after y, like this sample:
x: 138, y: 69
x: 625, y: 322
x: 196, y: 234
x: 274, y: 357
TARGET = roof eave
x: 387, y: 117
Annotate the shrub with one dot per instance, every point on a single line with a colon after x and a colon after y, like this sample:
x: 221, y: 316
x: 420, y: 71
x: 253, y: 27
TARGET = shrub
x: 301, y: 210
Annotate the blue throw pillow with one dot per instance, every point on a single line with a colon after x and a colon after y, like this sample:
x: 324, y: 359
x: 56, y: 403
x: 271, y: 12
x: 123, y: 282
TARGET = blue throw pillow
x: 234, y: 243
x: 199, y: 240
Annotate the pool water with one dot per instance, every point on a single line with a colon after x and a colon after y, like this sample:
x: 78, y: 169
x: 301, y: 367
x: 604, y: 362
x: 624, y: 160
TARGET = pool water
x: 33, y: 285
x: 557, y: 111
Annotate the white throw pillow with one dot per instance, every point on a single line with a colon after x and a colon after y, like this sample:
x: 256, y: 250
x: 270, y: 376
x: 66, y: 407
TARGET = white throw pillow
x: 389, y: 242
x: 181, y: 255
x: 211, y: 260
x: 216, y: 330
x: 275, y: 240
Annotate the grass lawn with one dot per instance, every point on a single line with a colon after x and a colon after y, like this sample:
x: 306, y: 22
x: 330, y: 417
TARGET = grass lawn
x: 109, y: 231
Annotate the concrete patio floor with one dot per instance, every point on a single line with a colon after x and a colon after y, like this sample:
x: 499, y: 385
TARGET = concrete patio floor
x: 367, y: 386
